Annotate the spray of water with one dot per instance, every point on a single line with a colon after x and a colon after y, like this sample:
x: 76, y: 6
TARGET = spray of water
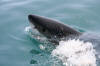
x: 75, y: 53
x: 35, y: 34
x: 70, y: 52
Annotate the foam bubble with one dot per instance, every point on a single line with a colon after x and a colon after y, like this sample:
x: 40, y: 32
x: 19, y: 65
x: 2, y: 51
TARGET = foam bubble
x: 27, y: 28
x: 42, y: 47
x: 75, y: 53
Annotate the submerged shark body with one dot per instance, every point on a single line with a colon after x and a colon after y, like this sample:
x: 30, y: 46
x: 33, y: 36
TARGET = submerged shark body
x: 52, y: 29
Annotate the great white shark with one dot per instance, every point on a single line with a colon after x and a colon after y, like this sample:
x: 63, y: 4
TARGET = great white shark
x: 52, y: 29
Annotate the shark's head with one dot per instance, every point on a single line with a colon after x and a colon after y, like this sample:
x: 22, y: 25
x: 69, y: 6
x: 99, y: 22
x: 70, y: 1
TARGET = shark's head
x: 51, y: 28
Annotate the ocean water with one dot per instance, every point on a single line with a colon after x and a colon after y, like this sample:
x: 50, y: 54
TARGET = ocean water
x: 20, y: 47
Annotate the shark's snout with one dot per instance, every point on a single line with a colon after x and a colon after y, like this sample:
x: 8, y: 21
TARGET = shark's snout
x: 34, y: 19
x: 30, y: 18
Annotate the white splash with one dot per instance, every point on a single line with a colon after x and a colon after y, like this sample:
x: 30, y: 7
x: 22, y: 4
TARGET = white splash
x: 75, y: 53
x: 27, y: 28
x: 42, y: 47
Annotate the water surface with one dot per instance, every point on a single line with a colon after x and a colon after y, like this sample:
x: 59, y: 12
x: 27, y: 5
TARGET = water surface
x: 17, y: 48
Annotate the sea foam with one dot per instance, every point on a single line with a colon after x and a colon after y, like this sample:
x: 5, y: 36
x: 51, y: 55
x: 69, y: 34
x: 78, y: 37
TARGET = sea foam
x: 75, y: 53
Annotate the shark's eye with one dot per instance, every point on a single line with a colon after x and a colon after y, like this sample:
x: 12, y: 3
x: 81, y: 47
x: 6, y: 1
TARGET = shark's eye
x: 43, y: 30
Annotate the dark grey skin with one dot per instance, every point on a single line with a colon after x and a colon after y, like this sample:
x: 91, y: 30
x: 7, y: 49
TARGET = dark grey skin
x: 52, y: 29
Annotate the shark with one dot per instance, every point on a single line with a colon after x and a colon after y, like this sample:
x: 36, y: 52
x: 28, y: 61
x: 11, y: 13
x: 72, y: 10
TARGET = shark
x: 52, y: 29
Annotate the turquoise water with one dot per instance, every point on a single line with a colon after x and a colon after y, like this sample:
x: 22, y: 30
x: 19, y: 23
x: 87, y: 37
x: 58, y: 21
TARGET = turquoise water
x: 17, y: 48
